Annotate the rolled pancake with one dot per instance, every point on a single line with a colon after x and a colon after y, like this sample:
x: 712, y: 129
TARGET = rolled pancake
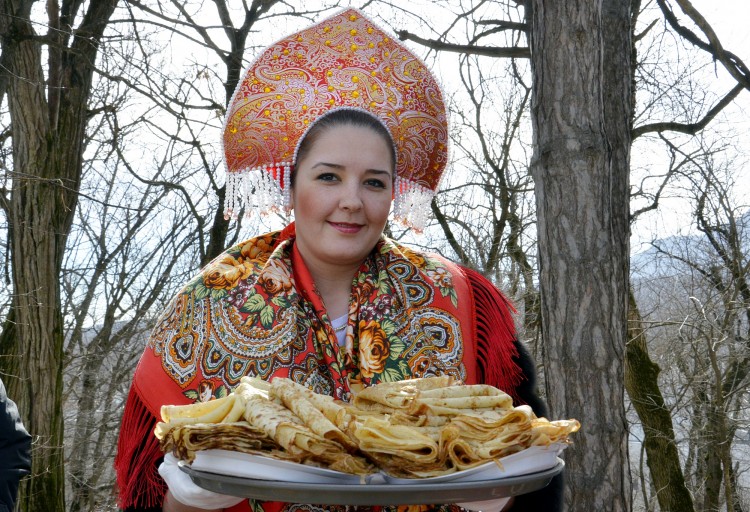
x: 213, y: 411
x: 400, y: 394
x: 297, y: 401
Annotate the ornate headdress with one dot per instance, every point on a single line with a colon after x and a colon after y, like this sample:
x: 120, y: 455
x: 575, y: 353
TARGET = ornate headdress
x: 344, y: 61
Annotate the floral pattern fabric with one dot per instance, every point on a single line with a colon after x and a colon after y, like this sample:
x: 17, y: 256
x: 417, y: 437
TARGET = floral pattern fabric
x: 254, y: 311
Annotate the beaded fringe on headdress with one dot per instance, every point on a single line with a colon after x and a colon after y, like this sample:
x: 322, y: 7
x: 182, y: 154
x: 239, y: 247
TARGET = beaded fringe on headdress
x: 259, y: 190
x: 412, y: 204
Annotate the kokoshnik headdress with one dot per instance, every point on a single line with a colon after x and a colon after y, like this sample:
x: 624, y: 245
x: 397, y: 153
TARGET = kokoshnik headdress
x: 345, y: 61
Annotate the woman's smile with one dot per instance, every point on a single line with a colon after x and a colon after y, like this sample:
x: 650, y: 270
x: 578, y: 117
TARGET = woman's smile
x: 346, y: 227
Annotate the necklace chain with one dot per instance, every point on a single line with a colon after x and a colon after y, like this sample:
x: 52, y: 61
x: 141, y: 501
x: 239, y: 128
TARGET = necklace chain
x: 339, y: 328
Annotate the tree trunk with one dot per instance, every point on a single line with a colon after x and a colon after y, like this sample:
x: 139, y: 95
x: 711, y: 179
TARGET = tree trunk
x: 234, y: 67
x: 641, y: 382
x: 79, y: 465
x: 48, y: 133
x: 581, y: 110
x: 711, y: 459
x: 39, y: 202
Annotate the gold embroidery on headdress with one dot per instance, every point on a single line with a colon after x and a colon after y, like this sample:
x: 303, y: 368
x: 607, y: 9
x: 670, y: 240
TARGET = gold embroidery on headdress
x: 345, y: 61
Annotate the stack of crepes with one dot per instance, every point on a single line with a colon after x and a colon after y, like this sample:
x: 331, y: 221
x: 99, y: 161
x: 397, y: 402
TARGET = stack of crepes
x: 408, y: 429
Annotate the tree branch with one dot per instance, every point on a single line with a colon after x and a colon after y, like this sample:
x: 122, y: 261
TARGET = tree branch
x: 449, y: 234
x: 690, y: 128
x: 486, y: 51
x: 731, y: 62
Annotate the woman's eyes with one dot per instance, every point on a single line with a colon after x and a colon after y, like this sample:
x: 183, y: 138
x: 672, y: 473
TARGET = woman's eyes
x: 373, y: 182
x: 369, y: 182
x: 328, y: 176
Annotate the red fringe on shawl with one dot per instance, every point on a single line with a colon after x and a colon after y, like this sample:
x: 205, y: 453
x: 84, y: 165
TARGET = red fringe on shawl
x: 496, y: 336
x: 138, y: 479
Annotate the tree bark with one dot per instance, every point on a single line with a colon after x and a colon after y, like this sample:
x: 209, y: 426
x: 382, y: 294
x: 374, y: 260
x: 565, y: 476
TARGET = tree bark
x: 641, y: 382
x: 581, y: 110
x: 47, y: 163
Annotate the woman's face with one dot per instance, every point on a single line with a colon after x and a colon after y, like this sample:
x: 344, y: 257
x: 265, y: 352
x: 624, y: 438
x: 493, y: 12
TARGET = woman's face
x: 342, y: 195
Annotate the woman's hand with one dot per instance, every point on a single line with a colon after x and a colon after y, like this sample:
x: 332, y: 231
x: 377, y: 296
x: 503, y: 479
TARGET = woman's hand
x: 184, y: 496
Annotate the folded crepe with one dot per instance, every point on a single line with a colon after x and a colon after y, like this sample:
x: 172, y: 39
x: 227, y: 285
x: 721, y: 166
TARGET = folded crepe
x: 379, y: 437
x: 544, y: 432
x: 415, y: 428
x: 487, y: 426
x: 184, y: 440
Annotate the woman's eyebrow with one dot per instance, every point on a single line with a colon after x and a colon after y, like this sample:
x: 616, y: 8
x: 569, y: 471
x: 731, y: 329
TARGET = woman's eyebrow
x: 379, y: 172
x: 327, y: 164
x: 339, y: 166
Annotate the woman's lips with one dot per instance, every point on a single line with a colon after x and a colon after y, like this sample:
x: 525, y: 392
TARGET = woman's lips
x: 345, y: 227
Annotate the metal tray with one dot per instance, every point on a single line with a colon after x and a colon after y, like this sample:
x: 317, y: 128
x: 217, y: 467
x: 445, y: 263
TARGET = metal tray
x: 373, y: 494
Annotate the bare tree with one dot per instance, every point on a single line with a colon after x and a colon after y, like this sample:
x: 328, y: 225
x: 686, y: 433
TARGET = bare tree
x: 717, y: 327
x: 129, y: 249
x: 226, y: 41
x: 585, y: 127
x: 659, y: 442
x: 47, y: 79
x: 580, y: 167
x: 144, y: 223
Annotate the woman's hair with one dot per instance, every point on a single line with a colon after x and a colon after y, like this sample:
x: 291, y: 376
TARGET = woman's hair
x: 343, y: 117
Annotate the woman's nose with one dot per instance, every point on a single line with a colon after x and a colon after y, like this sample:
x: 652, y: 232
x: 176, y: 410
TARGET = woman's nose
x: 350, y: 199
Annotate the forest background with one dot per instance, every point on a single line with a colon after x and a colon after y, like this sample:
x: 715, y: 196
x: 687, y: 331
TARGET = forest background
x: 574, y: 126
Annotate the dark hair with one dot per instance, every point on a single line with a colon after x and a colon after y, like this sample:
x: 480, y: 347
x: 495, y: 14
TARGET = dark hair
x: 344, y: 117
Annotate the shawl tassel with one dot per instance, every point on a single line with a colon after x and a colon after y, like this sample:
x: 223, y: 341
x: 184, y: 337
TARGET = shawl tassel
x: 138, y: 452
x: 496, y: 336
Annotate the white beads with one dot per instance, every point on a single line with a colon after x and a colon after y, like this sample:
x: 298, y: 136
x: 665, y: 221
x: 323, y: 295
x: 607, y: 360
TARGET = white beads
x: 258, y: 191
x: 411, y: 206
x: 287, y: 187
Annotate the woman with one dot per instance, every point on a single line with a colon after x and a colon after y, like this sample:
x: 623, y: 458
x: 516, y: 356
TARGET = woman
x: 334, y: 123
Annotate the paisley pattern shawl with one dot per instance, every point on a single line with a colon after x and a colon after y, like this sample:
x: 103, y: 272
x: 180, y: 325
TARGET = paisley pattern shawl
x: 254, y: 311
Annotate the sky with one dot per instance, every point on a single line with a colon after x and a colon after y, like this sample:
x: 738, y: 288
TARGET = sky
x: 729, y: 20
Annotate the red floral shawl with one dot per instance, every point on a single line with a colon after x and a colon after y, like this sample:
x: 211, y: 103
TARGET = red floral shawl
x: 254, y: 310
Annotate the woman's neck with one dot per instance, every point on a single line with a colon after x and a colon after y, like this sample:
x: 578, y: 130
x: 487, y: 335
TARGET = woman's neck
x: 334, y: 285
x: 332, y: 281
